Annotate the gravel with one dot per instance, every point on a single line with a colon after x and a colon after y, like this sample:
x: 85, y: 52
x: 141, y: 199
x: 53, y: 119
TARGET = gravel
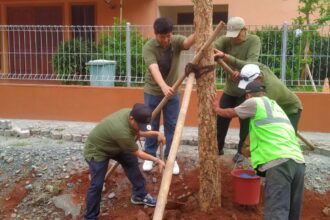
x: 50, y: 159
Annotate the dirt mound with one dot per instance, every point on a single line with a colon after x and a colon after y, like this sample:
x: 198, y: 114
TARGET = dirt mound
x: 183, y: 198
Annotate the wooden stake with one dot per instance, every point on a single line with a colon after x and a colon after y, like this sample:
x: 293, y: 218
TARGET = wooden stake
x: 176, y: 85
x: 195, y: 60
x: 167, y: 174
x: 325, y: 87
x: 307, y: 69
x: 225, y: 66
x: 306, y: 141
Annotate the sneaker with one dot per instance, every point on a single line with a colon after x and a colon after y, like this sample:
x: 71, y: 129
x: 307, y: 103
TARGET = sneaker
x: 238, y: 158
x: 176, y: 168
x: 146, y: 200
x: 221, y: 152
x: 147, y: 165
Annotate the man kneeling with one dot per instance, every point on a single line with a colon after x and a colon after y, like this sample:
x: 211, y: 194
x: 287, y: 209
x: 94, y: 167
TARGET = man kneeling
x: 115, y: 138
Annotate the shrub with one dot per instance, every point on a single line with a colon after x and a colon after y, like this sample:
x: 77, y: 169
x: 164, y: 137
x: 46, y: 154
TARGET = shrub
x: 69, y: 62
x: 271, y: 41
x: 113, y: 47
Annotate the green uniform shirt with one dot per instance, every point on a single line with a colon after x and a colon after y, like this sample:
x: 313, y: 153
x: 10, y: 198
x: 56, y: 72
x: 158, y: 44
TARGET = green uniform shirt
x: 276, y: 90
x: 110, y: 137
x: 153, y: 53
x: 238, y: 55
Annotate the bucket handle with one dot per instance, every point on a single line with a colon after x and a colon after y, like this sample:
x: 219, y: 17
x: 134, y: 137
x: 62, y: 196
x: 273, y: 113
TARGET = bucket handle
x: 245, y: 165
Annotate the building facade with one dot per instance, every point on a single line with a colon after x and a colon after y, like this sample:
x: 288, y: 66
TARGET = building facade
x: 139, y: 12
x: 29, y: 33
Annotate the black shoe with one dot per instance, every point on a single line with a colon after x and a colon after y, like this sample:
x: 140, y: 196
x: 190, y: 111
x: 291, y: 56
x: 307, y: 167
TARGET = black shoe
x: 221, y: 152
x: 238, y: 158
x: 146, y: 200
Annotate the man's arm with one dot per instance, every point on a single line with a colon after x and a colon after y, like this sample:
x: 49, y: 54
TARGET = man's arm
x: 151, y: 61
x: 189, y: 41
x: 224, y: 112
x: 251, y: 57
x: 140, y: 154
x: 254, y: 51
x: 246, y: 147
x: 157, y: 76
x: 218, y: 54
x: 148, y: 134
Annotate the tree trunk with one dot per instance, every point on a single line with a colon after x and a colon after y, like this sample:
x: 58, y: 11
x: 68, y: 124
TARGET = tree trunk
x: 306, y: 51
x: 209, y: 193
x: 306, y: 69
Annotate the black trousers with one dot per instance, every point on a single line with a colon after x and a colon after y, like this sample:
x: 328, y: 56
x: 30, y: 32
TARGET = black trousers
x: 97, y: 170
x: 227, y: 101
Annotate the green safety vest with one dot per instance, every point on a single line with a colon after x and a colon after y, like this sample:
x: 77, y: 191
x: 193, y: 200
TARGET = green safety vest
x: 271, y: 134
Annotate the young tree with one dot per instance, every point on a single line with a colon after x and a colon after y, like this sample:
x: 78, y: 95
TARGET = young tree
x: 209, y: 193
x: 309, y: 9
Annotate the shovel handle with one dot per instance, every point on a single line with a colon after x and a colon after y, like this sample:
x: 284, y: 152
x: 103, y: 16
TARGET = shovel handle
x: 225, y: 67
x: 110, y: 171
x: 161, y: 152
x: 306, y: 141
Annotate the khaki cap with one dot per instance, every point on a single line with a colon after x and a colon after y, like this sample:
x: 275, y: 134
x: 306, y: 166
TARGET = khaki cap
x: 234, y: 26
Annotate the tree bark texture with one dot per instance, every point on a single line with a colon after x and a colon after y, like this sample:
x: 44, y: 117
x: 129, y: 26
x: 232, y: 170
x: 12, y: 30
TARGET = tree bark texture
x: 209, y: 193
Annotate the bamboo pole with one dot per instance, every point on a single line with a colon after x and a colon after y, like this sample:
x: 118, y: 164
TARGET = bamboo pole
x: 176, y: 85
x: 230, y: 71
x: 195, y: 60
x: 167, y: 175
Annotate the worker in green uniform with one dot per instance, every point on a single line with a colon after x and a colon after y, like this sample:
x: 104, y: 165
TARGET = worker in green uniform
x: 275, y: 89
x: 235, y: 48
x: 162, y: 55
x: 275, y: 152
x: 115, y: 138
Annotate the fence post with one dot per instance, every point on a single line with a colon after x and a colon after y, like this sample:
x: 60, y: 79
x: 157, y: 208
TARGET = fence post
x: 284, y: 49
x: 128, y: 53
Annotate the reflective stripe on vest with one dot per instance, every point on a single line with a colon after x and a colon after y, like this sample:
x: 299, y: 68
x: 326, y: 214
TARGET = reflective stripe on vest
x: 271, y: 134
x: 270, y: 118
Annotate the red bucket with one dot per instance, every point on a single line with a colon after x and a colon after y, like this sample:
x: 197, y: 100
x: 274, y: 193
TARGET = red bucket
x: 246, y: 187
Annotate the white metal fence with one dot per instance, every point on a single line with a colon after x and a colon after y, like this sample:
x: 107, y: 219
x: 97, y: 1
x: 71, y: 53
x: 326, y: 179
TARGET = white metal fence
x: 62, y: 53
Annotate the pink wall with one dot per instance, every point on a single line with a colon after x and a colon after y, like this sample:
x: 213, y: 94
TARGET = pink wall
x: 87, y: 103
x: 137, y: 12
x: 255, y: 12
x: 265, y: 12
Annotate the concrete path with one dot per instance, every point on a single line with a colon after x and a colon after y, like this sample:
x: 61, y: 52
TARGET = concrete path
x: 189, y: 134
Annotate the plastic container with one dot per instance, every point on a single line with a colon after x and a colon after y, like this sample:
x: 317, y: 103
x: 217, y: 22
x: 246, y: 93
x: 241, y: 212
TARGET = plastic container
x: 102, y: 72
x: 246, y: 187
